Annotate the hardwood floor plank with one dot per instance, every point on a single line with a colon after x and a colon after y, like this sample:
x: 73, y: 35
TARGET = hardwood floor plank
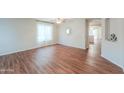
x: 57, y: 59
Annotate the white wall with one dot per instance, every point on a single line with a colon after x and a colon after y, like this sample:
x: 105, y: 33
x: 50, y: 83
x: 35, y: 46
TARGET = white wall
x: 18, y: 35
x: 21, y: 34
x: 114, y: 51
x: 77, y: 36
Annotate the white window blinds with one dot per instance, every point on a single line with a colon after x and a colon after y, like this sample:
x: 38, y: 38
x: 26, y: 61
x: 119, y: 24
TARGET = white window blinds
x: 44, y: 32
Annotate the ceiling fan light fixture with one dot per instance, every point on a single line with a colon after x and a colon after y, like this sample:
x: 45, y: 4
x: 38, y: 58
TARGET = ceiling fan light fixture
x: 59, y: 20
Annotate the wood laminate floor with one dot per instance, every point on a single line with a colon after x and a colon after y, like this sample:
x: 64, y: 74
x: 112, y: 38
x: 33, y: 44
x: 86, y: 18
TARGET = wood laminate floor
x: 56, y: 59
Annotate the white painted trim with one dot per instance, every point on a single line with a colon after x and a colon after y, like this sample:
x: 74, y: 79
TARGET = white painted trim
x: 72, y: 46
x: 12, y: 52
x: 21, y: 50
x: 122, y: 67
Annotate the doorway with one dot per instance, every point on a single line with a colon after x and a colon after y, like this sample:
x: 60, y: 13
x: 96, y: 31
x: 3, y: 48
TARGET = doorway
x: 94, y: 27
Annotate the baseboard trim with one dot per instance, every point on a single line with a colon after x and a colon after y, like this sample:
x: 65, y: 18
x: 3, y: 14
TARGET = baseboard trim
x: 21, y: 50
x: 113, y: 63
x: 123, y: 69
x: 72, y: 46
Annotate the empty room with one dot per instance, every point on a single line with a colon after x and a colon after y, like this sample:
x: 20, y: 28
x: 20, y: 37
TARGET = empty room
x: 61, y: 45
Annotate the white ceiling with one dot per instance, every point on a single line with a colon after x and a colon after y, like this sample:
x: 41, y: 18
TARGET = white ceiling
x: 53, y: 20
x: 94, y: 22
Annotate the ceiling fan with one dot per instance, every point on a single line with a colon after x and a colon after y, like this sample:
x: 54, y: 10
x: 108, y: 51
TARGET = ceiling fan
x: 59, y: 20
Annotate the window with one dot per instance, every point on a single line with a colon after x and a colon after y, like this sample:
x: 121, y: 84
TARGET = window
x: 44, y: 32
